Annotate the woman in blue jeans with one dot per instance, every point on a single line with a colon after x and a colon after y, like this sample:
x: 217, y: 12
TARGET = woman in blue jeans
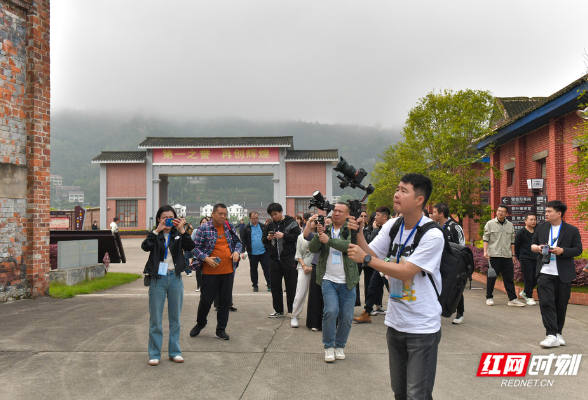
x: 166, y: 245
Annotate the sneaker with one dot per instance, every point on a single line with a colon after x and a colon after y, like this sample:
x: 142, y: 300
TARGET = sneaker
x: 231, y: 308
x: 516, y: 303
x: 550, y: 341
x: 560, y: 339
x: 314, y: 329
x: 523, y: 295
x: 196, y: 330
x: 256, y: 288
x: 177, y: 359
x: 364, y: 318
x: 379, y: 310
x: 269, y: 288
x: 339, y: 354
x: 197, y: 290
x: 330, y: 355
x: 222, y: 335
x: 294, y: 322
x: 154, y: 362
x: 189, y: 273
x: 489, y: 302
x: 531, y: 302
x: 276, y: 315
x: 458, y: 320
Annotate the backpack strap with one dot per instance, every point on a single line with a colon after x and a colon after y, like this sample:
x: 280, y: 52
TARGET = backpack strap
x: 393, y: 232
x: 421, y: 230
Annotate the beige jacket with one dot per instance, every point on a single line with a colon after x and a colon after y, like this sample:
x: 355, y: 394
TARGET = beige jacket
x: 499, y: 237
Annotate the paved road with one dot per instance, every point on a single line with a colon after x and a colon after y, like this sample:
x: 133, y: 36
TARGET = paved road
x: 95, y: 346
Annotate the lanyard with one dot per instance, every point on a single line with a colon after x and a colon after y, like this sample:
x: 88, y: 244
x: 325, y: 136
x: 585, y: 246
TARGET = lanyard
x: 407, y: 239
x: 166, y: 246
x: 445, y: 224
x: 557, y: 237
x: 333, y: 233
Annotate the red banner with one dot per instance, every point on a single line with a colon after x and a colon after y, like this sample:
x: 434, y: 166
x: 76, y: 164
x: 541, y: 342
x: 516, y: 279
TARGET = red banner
x: 241, y: 155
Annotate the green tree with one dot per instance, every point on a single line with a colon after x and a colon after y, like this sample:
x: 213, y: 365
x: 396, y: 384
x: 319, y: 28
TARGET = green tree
x: 440, y: 135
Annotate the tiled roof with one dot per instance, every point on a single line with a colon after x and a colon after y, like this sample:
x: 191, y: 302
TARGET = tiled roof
x: 514, y: 106
x: 195, y: 142
x: 121, y: 157
x: 303, y: 155
x: 538, y: 104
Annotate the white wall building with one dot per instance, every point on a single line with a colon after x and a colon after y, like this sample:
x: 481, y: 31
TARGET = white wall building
x: 237, y: 211
x: 206, y: 211
x: 76, y: 196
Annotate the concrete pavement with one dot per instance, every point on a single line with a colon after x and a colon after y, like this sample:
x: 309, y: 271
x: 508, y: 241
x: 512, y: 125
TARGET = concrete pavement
x: 95, y: 346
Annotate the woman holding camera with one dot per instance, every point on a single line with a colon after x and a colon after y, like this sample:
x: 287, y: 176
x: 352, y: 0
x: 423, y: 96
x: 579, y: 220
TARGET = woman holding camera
x: 163, y: 270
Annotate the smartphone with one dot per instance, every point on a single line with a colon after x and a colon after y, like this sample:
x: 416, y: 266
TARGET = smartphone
x: 169, y: 222
x: 217, y: 260
x: 271, y: 233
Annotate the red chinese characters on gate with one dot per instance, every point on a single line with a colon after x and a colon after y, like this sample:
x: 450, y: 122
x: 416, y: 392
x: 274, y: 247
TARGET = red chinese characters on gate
x: 503, y: 364
x: 241, y: 155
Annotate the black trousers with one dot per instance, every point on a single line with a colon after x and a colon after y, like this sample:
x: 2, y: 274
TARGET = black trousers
x: 460, y: 306
x: 198, y: 277
x: 529, y: 276
x: 314, y: 308
x: 284, y: 268
x: 375, y: 291
x: 553, y: 302
x: 262, y: 259
x: 211, y: 286
x: 505, y: 267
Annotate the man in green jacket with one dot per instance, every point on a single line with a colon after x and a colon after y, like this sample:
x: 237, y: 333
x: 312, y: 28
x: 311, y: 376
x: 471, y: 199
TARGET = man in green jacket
x: 337, y: 275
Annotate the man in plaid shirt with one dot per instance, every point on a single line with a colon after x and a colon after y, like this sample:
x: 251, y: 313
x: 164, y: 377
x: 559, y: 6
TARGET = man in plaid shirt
x: 217, y: 248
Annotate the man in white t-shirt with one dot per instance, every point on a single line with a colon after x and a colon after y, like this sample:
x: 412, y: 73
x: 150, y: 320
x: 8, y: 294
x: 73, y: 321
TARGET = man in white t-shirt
x: 414, y: 312
x: 113, y: 225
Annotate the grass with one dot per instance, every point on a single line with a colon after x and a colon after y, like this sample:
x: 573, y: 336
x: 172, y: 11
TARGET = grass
x: 112, y: 279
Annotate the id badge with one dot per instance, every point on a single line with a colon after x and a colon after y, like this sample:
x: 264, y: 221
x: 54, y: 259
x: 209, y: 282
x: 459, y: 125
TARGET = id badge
x: 162, y: 269
x: 336, y: 257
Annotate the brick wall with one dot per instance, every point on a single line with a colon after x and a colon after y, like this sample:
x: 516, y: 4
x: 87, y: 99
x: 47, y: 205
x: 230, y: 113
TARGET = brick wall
x: 303, y: 178
x: 126, y: 180
x: 24, y: 142
x: 557, y: 138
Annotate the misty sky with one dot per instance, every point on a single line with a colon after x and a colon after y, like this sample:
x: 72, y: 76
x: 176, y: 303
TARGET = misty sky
x: 333, y: 61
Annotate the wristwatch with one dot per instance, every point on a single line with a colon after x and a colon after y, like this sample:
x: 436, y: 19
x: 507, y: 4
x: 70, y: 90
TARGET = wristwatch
x: 367, y: 259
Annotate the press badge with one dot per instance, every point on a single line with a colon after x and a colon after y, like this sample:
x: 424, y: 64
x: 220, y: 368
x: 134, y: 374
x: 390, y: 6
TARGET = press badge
x: 336, y: 257
x: 162, y: 268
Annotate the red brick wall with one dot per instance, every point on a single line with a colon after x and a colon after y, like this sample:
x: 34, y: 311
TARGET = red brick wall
x: 556, y: 137
x: 302, y: 179
x: 25, y: 138
x: 126, y: 180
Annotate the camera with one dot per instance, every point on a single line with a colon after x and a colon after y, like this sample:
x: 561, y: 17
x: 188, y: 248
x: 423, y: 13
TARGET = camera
x: 352, y: 177
x: 546, y: 254
x: 321, y: 220
x: 169, y: 222
x: 319, y: 202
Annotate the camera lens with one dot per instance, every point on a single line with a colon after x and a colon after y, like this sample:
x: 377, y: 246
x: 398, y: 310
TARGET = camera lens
x: 347, y: 169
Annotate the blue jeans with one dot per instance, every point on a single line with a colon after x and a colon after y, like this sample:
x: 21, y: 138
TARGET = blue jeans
x: 171, y: 286
x: 413, y: 363
x: 339, y: 302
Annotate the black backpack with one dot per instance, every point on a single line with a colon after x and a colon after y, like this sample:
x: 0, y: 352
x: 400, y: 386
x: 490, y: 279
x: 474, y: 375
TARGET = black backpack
x: 457, y: 266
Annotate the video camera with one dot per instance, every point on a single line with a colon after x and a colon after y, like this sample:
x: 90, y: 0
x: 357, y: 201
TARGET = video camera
x: 349, y: 177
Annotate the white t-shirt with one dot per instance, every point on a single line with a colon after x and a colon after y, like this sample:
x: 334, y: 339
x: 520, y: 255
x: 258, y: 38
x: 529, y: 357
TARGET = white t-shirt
x: 551, y: 268
x: 335, y: 272
x: 419, y: 311
x: 113, y: 227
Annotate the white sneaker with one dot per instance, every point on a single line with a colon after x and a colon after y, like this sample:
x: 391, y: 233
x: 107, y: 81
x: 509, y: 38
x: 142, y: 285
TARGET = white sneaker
x: 314, y: 329
x: 516, y: 303
x: 550, y: 341
x: 489, y: 302
x: 458, y: 321
x: 330, y: 354
x: 294, y: 322
x: 523, y: 295
x: 339, y: 354
x: 197, y: 290
x: 561, y: 340
x: 531, y: 302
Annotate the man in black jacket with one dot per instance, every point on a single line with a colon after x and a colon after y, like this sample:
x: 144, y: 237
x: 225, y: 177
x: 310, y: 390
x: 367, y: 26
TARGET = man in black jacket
x: 526, y: 257
x: 554, y: 278
x: 252, y: 236
x: 283, y: 232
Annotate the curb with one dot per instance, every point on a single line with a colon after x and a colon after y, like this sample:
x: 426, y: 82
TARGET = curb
x: 575, y: 298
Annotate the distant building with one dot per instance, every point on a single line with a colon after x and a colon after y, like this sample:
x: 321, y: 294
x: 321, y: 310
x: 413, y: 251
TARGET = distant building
x: 76, y: 196
x: 206, y: 211
x: 237, y: 211
x: 62, y: 194
x: 197, y: 180
x: 56, y: 180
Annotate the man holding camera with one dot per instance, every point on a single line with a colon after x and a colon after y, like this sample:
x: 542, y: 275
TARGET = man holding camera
x: 558, y: 242
x: 414, y: 315
x: 283, y: 232
x: 499, y: 250
x: 337, y: 275
x: 217, y: 248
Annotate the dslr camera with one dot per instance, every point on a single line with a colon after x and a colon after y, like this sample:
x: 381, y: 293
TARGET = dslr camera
x: 546, y: 254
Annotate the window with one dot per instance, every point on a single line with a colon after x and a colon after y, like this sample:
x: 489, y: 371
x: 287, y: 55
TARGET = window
x: 126, y: 211
x: 301, y: 207
x: 542, y: 173
x: 510, y: 177
x: 485, y: 191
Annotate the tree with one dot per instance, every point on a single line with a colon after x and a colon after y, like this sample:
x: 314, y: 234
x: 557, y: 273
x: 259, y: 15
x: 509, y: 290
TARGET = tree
x: 580, y: 167
x: 440, y: 135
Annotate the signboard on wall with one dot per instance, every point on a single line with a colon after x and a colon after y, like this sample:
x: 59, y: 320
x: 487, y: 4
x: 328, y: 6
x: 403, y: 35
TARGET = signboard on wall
x: 241, y: 155
x: 518, y: 206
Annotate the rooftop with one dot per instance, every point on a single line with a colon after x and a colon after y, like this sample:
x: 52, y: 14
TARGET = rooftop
x: 120, y: 157
x: 312, y: 155
x: 207, y: 142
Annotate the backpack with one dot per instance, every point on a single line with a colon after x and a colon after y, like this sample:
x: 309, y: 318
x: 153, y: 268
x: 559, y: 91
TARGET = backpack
x: 457, y: 266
